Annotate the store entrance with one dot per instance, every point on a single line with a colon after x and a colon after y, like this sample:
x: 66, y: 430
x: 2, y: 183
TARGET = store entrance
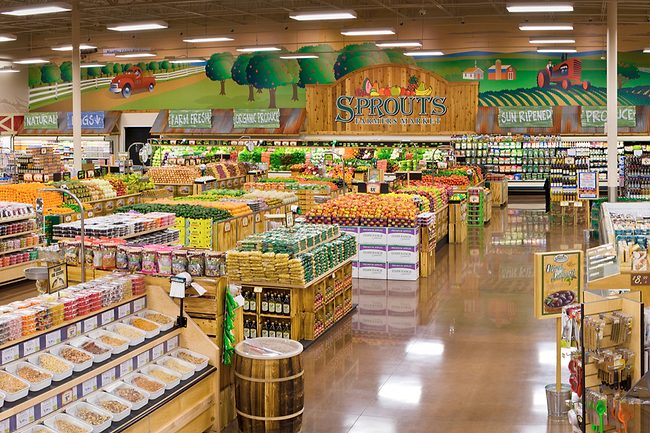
x: 134, y: 135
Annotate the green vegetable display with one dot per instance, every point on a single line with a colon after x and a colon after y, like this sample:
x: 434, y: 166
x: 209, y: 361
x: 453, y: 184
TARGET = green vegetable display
x: 181, y: 210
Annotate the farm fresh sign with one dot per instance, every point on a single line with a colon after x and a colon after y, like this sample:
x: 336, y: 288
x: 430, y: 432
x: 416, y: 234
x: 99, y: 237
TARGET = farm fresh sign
x: 42, y: 120
x: 391, y: 110
x: 190, y: 119
x: 526, y: 117
x: 597, y: 116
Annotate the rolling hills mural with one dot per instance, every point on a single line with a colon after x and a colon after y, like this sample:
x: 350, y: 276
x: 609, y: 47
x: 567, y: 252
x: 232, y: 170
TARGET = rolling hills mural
x: 264, y: 80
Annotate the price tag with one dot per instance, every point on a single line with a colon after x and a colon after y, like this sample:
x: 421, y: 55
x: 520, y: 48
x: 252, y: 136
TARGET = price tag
x: 89, y: 386
x: 638, y: 152
x: 126, y: 367
x: 564, y: 203
x: 142, y: 359
x: 645, y: 161
x: 52, y: 338
x: 640, y: 279
x: 4, y: 426
x: 90, y: 324
x: 123, y: 310
x: 25, y: 417
x: 48, y: 406
x: 69, y: 396
x: 226, y: 227
x: 257, y: 290
x: 139, y: 304
x: 258, y: 218
x: 108, y: 316
x: 73, y: 330
x: 244, y: 221
x: 31, y: 346
x: 172, y: 344
x: 108, y: 377
x: 10, y: 354
x: 158, y: 351
x: 577, y: 204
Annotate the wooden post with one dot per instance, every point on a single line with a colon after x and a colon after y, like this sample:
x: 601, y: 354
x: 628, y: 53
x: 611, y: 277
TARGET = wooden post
x: 558, y: 354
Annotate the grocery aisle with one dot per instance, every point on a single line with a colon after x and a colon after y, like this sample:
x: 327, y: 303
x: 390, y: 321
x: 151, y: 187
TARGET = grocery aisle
x: 458, y: 352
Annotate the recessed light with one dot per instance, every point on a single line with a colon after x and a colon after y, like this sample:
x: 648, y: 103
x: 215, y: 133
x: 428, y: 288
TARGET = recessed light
x: 368, y: 32
x: 8, y: 70
x: 206, y: 39
x: 324, y: 15
x: 135, y: 55
x: 92, y: 65
x: 257, y: 49
x: 423, y: 53
x: 69, y: 47
x: 186, y: 61
x: 299, y: 56
x: 551, y: 41
x: 139, y: 26
x: 557, y: 50
x: 30, y: 61
x: 545, y: 26
x: 399, y: 44
x: 38, y: 9
x: 539, y: 7
x: 6, y: 37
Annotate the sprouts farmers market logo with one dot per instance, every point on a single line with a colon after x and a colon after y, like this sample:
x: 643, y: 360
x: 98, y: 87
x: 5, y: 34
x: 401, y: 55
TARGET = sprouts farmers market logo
x: 375, y: 105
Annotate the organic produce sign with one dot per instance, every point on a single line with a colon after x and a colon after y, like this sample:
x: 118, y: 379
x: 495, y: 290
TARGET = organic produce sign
x: 558, y: 282
x: 190, y: 119
x: 256, y: 118
x: 597, y: 116
x: 526, y: 117
x: 42, y: 120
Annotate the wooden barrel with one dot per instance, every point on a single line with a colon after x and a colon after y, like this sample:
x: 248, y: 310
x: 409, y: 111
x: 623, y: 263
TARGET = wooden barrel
x: 269, y: 387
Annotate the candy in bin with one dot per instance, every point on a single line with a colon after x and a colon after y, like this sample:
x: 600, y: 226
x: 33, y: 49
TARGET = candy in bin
x: 28, y: 320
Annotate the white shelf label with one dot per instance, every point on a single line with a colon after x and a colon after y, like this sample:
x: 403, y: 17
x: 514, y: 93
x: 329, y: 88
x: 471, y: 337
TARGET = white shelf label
x: 4, y: 426
x: 158, y: 351
x: 31, y: 346
x: 123, y: 310
x: 126, y: 367
x: 89, y: 386
x: 172, y: 343
x: 90, y: 324
x: 48, y: 406
x: 108, y: 316
x: 25, y: 417
x: 10, y: 354
x: 108, y: 377
x: 142, y: 359
x: 52, y: 338
x: 139, y: 304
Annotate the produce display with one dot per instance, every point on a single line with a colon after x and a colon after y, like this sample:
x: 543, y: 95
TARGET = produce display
x: 438, y: 194
x: 10, y: 210
x: 286, y: 184
x: 289, y: 240
x: 117, y: 226
x: 28, y: 193
x: 190, y: 211
x: 225, y: 170
x: 384, y: 210
x: 233, y: 207
x: 88, y: 190
x: 174, y: 175
x: 134, y: 183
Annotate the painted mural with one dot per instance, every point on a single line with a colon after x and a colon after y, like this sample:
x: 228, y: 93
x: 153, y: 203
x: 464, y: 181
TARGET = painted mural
x: 264, y: 80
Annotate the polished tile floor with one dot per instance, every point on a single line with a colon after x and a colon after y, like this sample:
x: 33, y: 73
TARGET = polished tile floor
x: 458, y: 352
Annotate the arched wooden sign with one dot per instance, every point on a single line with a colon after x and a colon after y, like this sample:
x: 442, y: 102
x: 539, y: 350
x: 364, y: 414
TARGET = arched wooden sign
x: 393, y: 100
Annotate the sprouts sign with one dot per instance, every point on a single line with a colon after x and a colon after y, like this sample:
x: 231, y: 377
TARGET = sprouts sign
x: 391, y: 110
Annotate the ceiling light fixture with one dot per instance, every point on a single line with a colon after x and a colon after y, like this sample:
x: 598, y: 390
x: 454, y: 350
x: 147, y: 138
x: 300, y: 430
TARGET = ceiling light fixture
x: 135, y: 55
x: 8, y: 70
x: 423, y: 53
x: 139, y: 26
x: 299, y: 56
x: 38, y: 9
x: 92, y: 65
x: 324, y: 15
x: 69, y: 47
x: 399, y: 44
x: 206, y: 39
x: 647, y: 51
x: 557, y: 50
x: 539, y: 7
x: 6, y: 37
x: 186, y: 61
x: 31, y: 61
x: 527, y: 27
x: 368, y: 32
x: 257, y: 49
x: 551, y: 41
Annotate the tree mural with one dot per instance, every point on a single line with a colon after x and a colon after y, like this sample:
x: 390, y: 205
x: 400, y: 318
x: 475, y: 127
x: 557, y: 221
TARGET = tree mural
x: 153, y: 67
x: 117, y: 68
x: 293, y: 69
x: 94, y: 72
x: 34, y: 78
x: 320, y: 70
x: 107, y: 69
x: 50, y: 74
x: 143, y: 66
x: 239, y: 76
x: 66, y: 71
x: 267, y: 71
x: 357, y: 56
x: 218, y: 68
x: 398, y: 57
x: 165, y: 65
x: 627, y: 72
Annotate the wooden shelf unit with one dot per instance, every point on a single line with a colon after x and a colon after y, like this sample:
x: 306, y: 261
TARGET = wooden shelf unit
x: 14, y: 273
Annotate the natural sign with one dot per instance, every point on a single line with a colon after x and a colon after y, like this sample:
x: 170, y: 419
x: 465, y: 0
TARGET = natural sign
x: 597, y: 116
x: 256, y: 118
x: 525, y: 117
x: 191, y: 119
x: 558, y: 282
x: 89, y: 120
x: 42, y: 120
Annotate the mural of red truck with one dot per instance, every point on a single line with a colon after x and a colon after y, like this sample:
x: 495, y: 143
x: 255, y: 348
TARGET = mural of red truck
x: 132, y: 81
x: 566, y: 74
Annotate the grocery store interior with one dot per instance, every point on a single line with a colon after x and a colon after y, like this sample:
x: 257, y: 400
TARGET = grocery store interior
x: 306, y: 216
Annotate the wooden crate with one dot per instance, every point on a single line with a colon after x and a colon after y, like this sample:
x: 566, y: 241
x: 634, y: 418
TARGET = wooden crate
x: 245, y: 226
x: 457, y: 232
x: 224, y: 236
x: 442, y: 223
x: 427, y: 263
x: 457, y: 212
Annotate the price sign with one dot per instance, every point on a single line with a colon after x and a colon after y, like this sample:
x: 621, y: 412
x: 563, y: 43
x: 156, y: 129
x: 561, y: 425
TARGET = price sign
x: 10, y: 354
x: 139, y: 304
x: 142, y: 359
x: 289, y: 219
x: 90, y: 324
x: 158, y: 351
x: 48, y: 406
x: 640, y: 280
x: 4, y: 426
x: 108, y: 377
x: 172, y: 343
x: 89, y: 386
x: 126, y: 367
x: 108, y: 316
x: 374, y: 188
x: 25, y: 417
x: 31, y: 346
x: 52, y: 338
x: 123, y: 310
x: 645, y: 161
x: 73, y: 330
x: 564, y: 203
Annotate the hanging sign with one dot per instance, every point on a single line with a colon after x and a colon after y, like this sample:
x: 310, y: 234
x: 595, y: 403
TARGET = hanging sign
x: 558, y: 282
x: 597, y: 116
x: 89, y: 120
x: 42, y: 120
x: 526, y: 117
x: 587, y: 185
x: 190, y: 119
x: 256, y: 118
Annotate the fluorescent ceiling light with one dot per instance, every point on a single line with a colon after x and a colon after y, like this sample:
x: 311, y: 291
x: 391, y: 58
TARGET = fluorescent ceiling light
x: 423, y: 53
x: 557, y: 50
x: 399, y: 44
x: 205, y: 39
x: 6, y: 37
x: 299, y: 56
x: 8, y: 70
x: 324, y: 15
x: 135, y: 27
x: 92, y: 65
x: 69, y: 47
x: 31, y: 61
x: 545, y: 26
x: 135, y: 55
x: 551, y: 41
x: 38, y: 9
x: 647, y: 51
x: 256, y: 49
x: 186, y: 61
x: 539, y: 7
x: 368, y: 32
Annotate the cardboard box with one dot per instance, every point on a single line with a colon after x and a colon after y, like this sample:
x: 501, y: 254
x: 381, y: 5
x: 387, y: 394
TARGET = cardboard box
x: 352, y: 231
x: 373, y: 235
x: 403, y: 236
x: 403, y: 254
x: 373, y: 271
x: 403, y: 271
x: 372, y: 253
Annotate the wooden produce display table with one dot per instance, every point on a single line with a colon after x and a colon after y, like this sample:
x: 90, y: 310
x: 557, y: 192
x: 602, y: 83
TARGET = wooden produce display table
x: 428, y: 243
x: 458, y: 222
x: 499, y: 190
x: 108, y: 205
x: 185, y: 189
x: 442, y: 223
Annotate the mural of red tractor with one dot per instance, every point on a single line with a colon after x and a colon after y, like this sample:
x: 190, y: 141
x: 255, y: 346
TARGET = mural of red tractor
x: 565, y: 74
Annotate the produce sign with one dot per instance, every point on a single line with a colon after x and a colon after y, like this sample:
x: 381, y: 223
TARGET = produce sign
x: 526, y: 117
x: 386, y: 210
x: 558, y: 282
x: 256, y: 118
x: 597, y: 116
x: 42, y: 120
x: 89, y: 120
x: 190, y: 119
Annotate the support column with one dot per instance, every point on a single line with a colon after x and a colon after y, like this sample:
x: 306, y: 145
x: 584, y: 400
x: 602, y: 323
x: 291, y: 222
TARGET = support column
x: 612, y: 99
x: 76, y: 87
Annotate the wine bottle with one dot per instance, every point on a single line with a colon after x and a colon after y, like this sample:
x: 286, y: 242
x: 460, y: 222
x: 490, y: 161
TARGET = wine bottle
x: 271, y: 304
x: 265, y: 303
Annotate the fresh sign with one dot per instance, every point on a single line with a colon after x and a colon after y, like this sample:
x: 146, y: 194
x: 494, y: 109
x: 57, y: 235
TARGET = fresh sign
x: 597, y: 116
x: 190, y: 119
x: 256, y: 118
x: 89, y: 120
x: 42, y: 120
x: 526, y: 117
